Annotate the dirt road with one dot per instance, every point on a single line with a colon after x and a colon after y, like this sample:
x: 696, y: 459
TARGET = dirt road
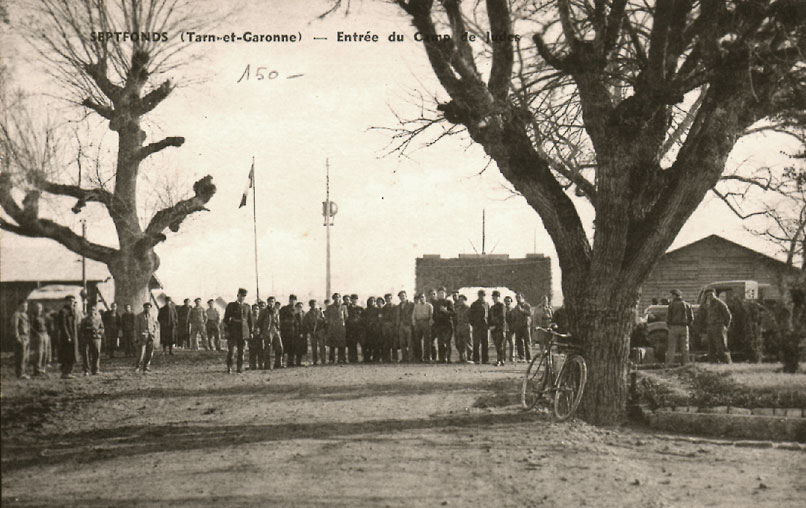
x: 380, y: 435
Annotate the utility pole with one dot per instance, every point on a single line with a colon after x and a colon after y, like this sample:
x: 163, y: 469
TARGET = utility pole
x: 84, y: 266
x: 329, y: 210
x: 483, y: 231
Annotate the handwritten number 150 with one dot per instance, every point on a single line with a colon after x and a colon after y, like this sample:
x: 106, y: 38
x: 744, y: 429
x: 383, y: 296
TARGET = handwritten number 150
x: 260, y: 74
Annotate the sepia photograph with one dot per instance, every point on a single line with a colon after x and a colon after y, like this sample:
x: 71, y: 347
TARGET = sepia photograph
x: 403, y: 253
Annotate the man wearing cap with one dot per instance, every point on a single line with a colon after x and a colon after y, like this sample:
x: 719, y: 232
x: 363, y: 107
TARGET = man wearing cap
x: 679, y: 318
x: 422, y: 318
x: 127, y: 336
x: 355, y: 329
x: 443, y: 325
x: 313, y: 324
x: 522, y: 327
x: 461, y: 334
x: 145, y: 334
x: 238, y: 320
x: 498, y: 327
x: 67, y: 322
x: 336, y: 321
x: 269, y: 328
x: 717, y: 321
x: 112, y: 326
x: 388, y: 331
x: 256, y: 352
x: 479, y: 313
x: 91, y: 335
x: 167, y: 318
x: 211, y: 326
x: 198, y: 321
x: 183, y: 325
x: 288, y: 329
x: 404, y: 319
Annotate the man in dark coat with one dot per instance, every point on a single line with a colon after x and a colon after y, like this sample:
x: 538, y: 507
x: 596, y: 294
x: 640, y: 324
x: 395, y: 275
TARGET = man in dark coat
x: 112, y: 327
x: 183, y: 324
x: 443, y: 324
x: 288, y: 329
x: 498, y: 327
x: 168, y: 319
x: 239, y: 323
x: 355, y: 329
x: 67, y: 322
x: 127, y: 331
x: 479, y: 313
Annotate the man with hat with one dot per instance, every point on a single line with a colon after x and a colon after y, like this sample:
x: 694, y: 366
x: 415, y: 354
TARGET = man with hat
x: 678, y: 318
x: 404, y: 321
x: 168, y: 319
x: 67, y: 322
x: 238, y: 320
x: 479, y: 313
x: 443, y: 325
x: 211, y: 326
x: 336, y: 322
x: 145, y: 333
x: 355, y: 329
x: 498, y: 327
x: 288, y: 329
x: 717, y: 320
x: 198, y: 321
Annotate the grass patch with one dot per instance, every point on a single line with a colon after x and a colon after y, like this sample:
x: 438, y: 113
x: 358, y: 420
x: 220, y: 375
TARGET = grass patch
x: 705, y: 385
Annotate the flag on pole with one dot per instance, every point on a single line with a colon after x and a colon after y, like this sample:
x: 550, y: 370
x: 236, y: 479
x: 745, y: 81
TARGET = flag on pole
x: 250, y: 185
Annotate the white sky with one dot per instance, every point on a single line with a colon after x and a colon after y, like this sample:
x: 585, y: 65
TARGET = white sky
x: 391, y: 209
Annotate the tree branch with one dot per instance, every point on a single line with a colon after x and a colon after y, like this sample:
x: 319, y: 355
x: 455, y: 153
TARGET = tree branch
x: 155, y: 147
x: 153, y: 98
x: 172, y: 217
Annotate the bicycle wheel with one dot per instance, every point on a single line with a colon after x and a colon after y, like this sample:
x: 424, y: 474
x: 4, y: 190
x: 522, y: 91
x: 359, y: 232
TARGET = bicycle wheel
x: 534, y: 381
x: 570, y: 385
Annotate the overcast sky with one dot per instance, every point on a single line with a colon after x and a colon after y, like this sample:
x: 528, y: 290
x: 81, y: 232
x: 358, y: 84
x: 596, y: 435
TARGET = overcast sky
x: 391, y: 209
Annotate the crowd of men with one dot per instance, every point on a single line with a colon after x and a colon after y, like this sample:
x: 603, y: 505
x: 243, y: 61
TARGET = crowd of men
x: 424, y: 330
x: 342, y: 330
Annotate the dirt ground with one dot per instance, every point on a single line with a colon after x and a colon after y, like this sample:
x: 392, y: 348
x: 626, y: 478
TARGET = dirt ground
x: 381, y: 435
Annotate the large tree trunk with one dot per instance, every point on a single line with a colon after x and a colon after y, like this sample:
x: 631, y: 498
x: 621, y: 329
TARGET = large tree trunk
x: 603, y: 318
x: 132, y: 274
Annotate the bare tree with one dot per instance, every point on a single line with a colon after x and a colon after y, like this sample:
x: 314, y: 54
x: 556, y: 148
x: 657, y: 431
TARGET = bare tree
x: 113, y: 58
x: 634, y: 105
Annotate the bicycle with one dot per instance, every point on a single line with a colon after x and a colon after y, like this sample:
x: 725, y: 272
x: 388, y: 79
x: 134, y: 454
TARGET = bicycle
x: 543, y: 378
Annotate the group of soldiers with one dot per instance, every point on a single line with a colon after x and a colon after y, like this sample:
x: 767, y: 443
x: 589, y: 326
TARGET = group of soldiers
x: 408, y: 331
x: 426, y: 329
x: 69, y: 335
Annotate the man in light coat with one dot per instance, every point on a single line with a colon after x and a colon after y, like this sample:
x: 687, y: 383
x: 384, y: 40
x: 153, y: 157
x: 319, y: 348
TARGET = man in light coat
x: 145, y: 336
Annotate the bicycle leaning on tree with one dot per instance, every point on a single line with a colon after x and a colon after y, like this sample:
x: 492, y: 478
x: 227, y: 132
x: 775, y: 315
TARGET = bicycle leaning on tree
x: 557, y: 374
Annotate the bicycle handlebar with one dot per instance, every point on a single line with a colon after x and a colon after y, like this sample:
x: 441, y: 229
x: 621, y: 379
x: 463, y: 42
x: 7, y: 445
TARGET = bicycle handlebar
x: 554, y: 332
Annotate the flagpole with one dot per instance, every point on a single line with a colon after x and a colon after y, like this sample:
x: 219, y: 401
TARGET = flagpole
x: 254, y: 226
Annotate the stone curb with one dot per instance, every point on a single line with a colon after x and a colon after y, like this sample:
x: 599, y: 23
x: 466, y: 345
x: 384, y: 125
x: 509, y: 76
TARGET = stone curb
x: 783, y: 445
x: 756, y: 428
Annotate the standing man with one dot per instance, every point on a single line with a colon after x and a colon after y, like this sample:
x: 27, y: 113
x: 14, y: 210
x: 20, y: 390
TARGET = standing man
x: 443, y: 325
x: 336, y: 321
x: 479, y: 313
x: 313, y: 324
x: 183, y: 325
x: 404, y: 325
x: 372, y: 330
x: 67, y: 322
x: 168, y: 319
x: 211, y: 327
x: 522, y: 327
x: 678, y: 318
x: 21, y: 326
x: 432, y: 339
x: 198, y: 325
x: 145, y: 332
x: 238, y: 320
x: 388, y: 330
x: 269, y: 329
x: 91, y: 336
x: 461, y: 333
x: 509, y: 335
x: 288, y: 329
x: 717, y: 321
x: 498, y: 327
x: 112, y: 326
x: 422, y: 319
x: 355, y: 330
x: 40, y: 340
x: 256, y: 340
x: 300, y: 338
x: 127, y: 333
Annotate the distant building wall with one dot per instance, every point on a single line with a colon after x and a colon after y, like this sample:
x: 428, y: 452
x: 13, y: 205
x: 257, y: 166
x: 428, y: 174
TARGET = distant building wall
x: 530, y: 275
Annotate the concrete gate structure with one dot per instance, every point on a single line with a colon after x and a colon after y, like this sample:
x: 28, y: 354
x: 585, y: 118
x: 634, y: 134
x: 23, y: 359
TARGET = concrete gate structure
x: 530, y: 275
